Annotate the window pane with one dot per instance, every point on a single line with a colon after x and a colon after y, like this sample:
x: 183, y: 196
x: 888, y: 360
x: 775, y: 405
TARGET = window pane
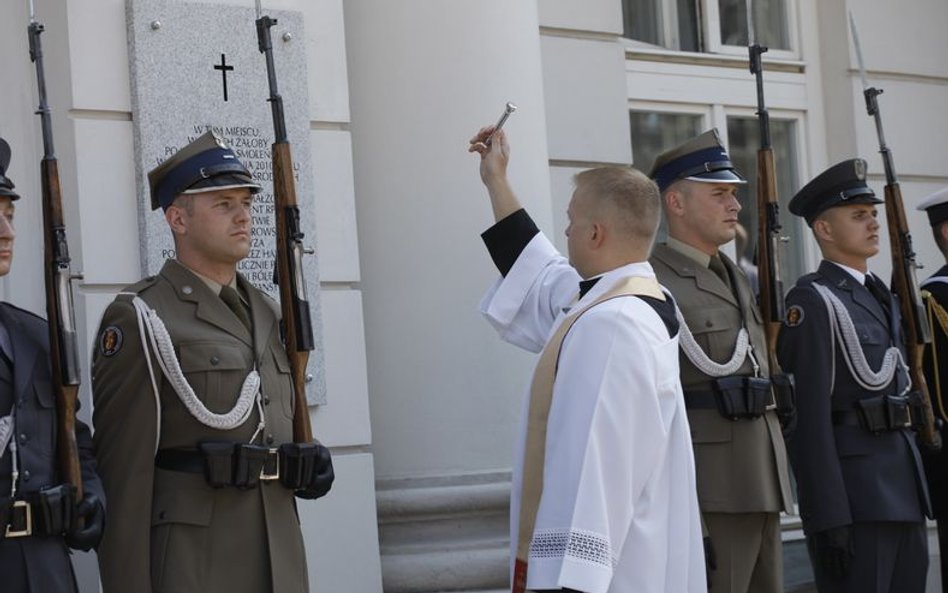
x: 673, y: 24
x: 744, y: 138
x: 770, y: 22
x: 688, y: 29
x: 653, y: 133
x: 643, y: 20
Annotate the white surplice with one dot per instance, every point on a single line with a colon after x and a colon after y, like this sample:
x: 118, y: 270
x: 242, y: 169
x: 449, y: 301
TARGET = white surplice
x: 619, y: 510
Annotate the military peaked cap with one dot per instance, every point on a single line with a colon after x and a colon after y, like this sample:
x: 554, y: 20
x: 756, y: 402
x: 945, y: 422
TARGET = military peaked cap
x: 936, y: 206
x: 702, y: 158
x: 207, y: 164
x: 843, y: 184
x: 6, y: 184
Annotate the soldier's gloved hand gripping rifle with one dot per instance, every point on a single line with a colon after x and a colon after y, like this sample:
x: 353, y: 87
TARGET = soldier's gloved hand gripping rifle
x: 298, y: 331
x: 904, y: 281
x: 768, y: 238
x: 80, y: 516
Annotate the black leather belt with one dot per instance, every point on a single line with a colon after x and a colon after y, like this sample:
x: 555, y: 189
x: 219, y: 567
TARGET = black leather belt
x: 180, y: 460
x: 700, y: 400
x: 846, y: 418
x: 194, y: 461
x: 43, y: 513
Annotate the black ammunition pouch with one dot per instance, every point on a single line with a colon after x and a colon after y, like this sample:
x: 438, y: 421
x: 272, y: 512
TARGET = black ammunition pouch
x: 740, y: 398
x: 917, y: 408
x: 48, y: 512
x: 885, y: 412
x: 253, y: 463
x: 784, y: 394
x: 218, y: 463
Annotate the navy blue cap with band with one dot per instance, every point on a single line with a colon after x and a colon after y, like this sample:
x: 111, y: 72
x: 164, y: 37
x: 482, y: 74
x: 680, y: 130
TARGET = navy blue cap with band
x: 207, y: 164
x: 701, y: 159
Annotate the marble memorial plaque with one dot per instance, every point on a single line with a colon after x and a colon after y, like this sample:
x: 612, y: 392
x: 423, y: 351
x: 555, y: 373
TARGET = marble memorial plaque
x: 196, y: 67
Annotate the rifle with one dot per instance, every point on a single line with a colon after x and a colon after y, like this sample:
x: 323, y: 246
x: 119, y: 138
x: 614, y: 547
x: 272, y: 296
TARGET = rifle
x: 289, y: 243
x: 63, y: 345
x: 904, y: 280
x: 770, y: 284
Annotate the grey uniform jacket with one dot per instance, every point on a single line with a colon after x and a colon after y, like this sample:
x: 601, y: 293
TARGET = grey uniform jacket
x: 168, y: 530
x: 844, y: 473
x: 42, y: 561
x: 741, y: 465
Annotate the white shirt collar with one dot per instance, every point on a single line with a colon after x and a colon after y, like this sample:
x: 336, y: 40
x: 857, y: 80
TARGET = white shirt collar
x: 859, y: 276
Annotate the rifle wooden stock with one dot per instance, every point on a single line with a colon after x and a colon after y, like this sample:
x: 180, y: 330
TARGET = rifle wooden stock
x: 295, y: 308
x: 62, y: 334
x: 768, y: 268
x: 914, y: 320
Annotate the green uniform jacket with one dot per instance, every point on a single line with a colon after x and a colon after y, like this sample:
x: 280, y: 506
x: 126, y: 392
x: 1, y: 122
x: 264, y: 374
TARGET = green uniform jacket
x: 168, y: 531
x: 741, y: 465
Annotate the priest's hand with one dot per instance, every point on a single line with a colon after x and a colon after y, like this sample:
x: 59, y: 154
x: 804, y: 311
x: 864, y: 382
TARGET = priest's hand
x: 833, y: 550
x: 494, y: 159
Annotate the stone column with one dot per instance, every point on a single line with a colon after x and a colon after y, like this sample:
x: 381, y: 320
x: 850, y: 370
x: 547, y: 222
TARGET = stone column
x: 444, y: 390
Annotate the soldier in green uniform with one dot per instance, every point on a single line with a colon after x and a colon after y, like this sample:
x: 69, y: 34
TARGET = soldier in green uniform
x: 194, y: 405
x: 740, y: 457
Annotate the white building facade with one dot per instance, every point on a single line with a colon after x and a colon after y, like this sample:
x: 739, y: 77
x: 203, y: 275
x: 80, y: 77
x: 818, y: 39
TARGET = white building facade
x: 422, y: 396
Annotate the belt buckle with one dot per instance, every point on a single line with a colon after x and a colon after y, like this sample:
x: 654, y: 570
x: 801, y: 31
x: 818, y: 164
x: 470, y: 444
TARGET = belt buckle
x: 28, y: 521
x: 271, y: 467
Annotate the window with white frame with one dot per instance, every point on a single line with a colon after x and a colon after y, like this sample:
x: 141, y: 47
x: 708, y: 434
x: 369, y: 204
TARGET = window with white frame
x: 714, y: 26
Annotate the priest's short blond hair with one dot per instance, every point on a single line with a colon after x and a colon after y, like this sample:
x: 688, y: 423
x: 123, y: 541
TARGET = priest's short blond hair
x: 624, y: 198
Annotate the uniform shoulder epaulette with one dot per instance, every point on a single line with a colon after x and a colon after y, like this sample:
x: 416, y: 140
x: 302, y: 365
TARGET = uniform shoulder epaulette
x: 140, y: 286
x: 808, y: 279
x: 30, y: 315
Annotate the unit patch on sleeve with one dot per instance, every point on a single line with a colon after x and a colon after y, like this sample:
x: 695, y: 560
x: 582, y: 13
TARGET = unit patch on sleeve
x: 111, y: 341
x: 794, y: 316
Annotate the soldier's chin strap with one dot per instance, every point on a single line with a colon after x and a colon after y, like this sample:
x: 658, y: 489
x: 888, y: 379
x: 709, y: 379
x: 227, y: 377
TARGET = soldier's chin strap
x: 844, y: 331
x: 154, y: 334
x: 697, y: 356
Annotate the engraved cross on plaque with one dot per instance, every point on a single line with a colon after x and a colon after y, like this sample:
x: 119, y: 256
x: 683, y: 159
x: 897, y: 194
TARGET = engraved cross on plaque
x: 224, y: 68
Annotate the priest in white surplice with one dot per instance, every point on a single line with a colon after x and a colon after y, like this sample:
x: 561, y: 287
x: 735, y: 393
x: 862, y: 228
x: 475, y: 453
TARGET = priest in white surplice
x: 604, y: 496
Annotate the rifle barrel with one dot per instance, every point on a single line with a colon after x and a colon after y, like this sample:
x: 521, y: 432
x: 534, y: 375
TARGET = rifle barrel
x: 289, y: 242
x: 60, y: 312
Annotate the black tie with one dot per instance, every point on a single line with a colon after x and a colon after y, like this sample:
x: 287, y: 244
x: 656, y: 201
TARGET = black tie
x: 879, y: 291
x: 716, y: 265
x: 232, y: 300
